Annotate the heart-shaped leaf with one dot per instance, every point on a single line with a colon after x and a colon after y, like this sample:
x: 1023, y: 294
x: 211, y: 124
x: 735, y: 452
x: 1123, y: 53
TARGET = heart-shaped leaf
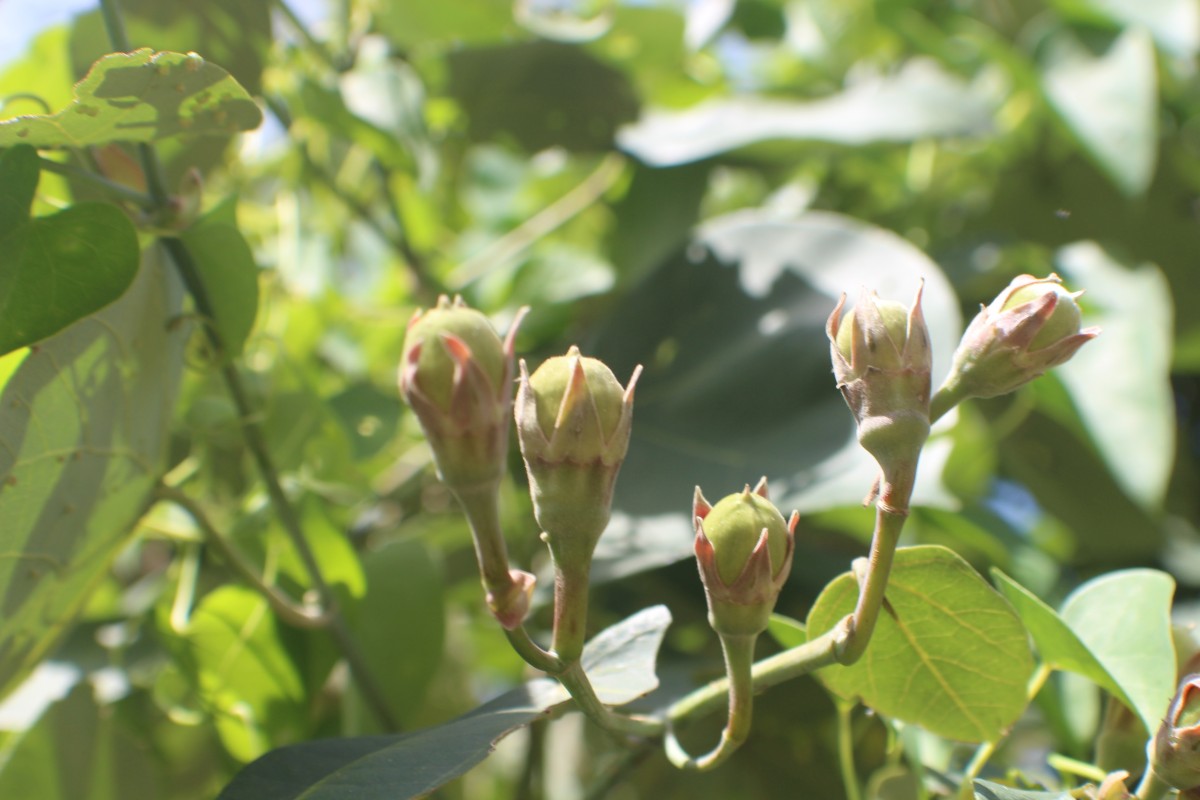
x: 948, y: 653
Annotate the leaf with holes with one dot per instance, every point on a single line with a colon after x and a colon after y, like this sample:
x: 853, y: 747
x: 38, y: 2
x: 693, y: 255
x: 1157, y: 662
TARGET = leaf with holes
x: 56, y: 269
x: 948, y: 653
x: 141, y: 96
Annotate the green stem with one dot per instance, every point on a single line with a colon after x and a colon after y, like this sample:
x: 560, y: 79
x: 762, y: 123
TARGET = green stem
x: 739, y: 664
x: 575, y: 680
x: 289, y: 610
x: 570, y: 612
x: 1152, y: 787
x: 948, y: 395
x: 845, y: 745
x: 888, y: 525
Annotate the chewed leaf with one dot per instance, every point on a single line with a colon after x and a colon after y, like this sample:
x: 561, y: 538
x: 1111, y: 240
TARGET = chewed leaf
x: 141, y: 96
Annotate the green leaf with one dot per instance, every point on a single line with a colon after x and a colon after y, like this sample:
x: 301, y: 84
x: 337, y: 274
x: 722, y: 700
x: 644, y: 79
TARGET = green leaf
x: 1124, y: 619
x: 1174, y: 24
x: 1057, y: 644
x: 82, y: 441
x: 80, y: 750
x: 1109, y: 102
x: 1129, y: 412
x: 400, y: 623
x: 920, y: 101
x: 787, y: 632
x: 620, y: 660
x: 60, y: 268
x: 986, y: 790
x: 243, y: 672
x: 737, y: 382
x: 229, y: 273
x: 948, y: 652
x: 141, y: 96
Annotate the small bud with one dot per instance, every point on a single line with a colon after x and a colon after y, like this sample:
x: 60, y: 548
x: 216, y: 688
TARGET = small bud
x: 744, y: 551
x: 1175, y: 751
x: 882, y: 360
x: 573, y: 424
x: 1032, y: 326
x: 455, y: 373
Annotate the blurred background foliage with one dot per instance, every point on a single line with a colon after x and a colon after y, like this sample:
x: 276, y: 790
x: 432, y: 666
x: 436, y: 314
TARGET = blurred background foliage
x: 685, y: 184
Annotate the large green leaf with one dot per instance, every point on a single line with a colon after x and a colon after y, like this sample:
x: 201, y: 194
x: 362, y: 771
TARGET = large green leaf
x: 141, y: 97
x: 1124, y: 618
x: 919, y: 102
x: 1057, y: 644
x: 56, y: 269
x: 620, y: 659
x: 400, y: 623
x: 1110, y: 103
x: 82, y: 441
x: 738, y: 382
x: 244, y: 674
x: 948, y: 653
x: 80, y: 750
x: 1129, y: 412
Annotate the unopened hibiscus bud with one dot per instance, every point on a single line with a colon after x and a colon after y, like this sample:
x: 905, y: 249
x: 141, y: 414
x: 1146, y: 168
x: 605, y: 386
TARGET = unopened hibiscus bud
x: 456, y: 375
x: 881, y: 359
x: 1175, y: 750
x: 744, y: 551
x: 573, y: 423
x: 1032, y: 326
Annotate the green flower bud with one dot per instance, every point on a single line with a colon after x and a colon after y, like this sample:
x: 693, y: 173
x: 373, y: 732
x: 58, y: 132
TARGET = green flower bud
x: 1175, y: 751
x: 1032, y: 326
x: 744, y: 552
x: 455, y: 373
x: 573, y: 424
x: 882, y: 360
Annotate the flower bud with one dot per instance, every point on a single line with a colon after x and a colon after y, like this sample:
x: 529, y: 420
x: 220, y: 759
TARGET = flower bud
x: 455, y: 373
x: 882, y: 360
x: 573, y: 423
x: 744, y: 551
x: 1175, y: 751
x: 1032, y: 326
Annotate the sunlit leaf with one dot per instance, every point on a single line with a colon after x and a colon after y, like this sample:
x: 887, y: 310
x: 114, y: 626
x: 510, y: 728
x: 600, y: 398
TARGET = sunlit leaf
x: 60, y: 268
x: 141, y: 97
x: 82, y: 440
x: 948, y: 652
x: 230, y: 275
x: 1057, y: 645
x: 1128, y: 412
x: 918, y: 102
x: 1124, y: 618
x: 620, y: 660
x: 1109, y: 103
x: 986, y: 790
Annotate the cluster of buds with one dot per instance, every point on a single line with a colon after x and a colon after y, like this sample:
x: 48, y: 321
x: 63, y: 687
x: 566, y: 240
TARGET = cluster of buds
x: 882, y: 361
x: 1032, y: 326
x: 744, y: 551
x: 573, y: 423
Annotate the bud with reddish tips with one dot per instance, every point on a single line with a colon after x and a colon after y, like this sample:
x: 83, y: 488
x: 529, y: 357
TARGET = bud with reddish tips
x: 573, y: 424
x: 881, y: 359
x: 1032, y: 326
x: 1175, y: 751
x: 744, y: 551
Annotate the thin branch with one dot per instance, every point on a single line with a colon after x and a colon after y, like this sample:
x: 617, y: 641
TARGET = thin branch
x: 289, y: 610
x: 118, y: 190
x: 251, y: 432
